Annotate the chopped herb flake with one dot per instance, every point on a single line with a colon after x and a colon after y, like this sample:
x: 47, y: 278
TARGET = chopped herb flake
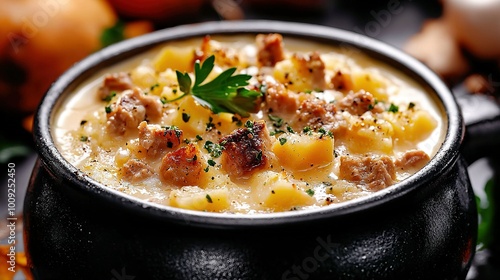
x: 310, y: 192
x: 282, y: 141
x: 393, y: 108
x: 110, y: 96
x: 214, y: 149
x: 209, y: 199
x: 185, y: 117
x: 277, y: 121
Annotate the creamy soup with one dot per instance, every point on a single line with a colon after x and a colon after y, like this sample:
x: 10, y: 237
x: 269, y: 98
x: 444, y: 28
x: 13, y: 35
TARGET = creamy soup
x: 249, y: 124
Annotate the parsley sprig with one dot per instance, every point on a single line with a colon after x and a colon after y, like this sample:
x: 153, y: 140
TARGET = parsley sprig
x: 225, y: 93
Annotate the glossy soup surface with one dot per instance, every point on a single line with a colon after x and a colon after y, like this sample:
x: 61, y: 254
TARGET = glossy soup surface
x: 331, y: 125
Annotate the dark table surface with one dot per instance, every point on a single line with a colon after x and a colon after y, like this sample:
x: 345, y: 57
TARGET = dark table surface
x: 400, y: 20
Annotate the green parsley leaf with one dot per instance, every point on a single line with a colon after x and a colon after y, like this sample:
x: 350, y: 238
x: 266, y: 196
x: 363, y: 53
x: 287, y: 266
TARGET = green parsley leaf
x: 282, y: 141
x: 225, y: 93
x: 209, y: 199
x: 84, y: 138
x: 107, y: 109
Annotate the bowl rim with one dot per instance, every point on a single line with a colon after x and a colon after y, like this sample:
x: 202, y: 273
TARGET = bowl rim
x: 60, y: 168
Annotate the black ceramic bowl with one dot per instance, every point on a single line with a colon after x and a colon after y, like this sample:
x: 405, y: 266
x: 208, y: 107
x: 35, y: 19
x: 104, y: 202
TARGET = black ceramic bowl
x: 421, y: 228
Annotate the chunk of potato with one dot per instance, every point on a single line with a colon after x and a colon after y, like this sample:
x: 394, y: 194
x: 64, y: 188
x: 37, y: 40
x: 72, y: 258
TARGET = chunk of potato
x: 367, y: 135
x: 370, y: 82
x: 175, y: 58
x: 294, y: 76
x: 193, y: 198
x: 303, y: 152
x: 412, y: 125
x: 283, y: 196
x: 194, y: 119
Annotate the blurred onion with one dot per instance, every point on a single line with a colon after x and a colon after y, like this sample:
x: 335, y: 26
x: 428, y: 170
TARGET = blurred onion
x: 476, y: 25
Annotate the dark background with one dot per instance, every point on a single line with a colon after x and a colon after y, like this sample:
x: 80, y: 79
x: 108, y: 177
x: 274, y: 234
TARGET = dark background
x: 368, y: 18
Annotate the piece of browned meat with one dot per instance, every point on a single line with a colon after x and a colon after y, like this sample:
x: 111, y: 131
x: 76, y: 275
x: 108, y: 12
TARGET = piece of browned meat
x: 315, y: 113
x: 270, y: 49
x: 223, y: 56
x: 357, y: 103
x: 135, y: 171
x: 280, y: 100
x: 156, y: 139
x: 182, y: 167
x: 116, y: 82
x: 245, y: 150
x: 374, y: 172
x: 341, y: 81
x: 412, y: 160
x: 130, y: 109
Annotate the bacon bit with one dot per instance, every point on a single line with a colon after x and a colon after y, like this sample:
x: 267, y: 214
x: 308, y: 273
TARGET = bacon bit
x: 269, y: 49
x: 244, y: 150
x: 182, y: 167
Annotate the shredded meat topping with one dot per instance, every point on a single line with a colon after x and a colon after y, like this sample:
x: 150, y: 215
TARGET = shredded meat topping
x: 182, y: 167
x: 132, y: 108
x: 374, y: 172
x: 245, y: 150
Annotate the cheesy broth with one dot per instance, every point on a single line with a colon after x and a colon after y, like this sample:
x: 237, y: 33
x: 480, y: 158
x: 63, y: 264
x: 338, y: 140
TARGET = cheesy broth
x: 331, y: 125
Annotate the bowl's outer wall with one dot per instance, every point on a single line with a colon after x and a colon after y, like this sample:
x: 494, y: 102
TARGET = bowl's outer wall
x: 431, y: 236
x: 422, y: 228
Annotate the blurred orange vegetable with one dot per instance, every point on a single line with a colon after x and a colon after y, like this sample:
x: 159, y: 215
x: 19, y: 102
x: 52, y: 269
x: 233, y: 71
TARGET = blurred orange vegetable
x: 39, y: 40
